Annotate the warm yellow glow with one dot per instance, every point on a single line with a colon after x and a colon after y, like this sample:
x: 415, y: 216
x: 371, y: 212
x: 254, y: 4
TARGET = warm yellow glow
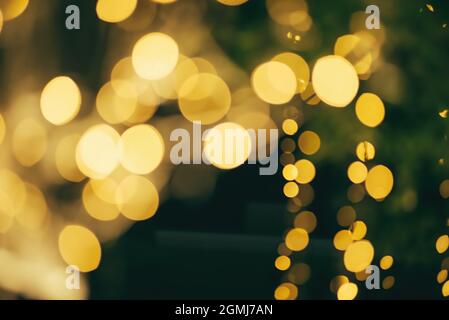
x: 346, y: 216
x: 289, y: 126
x: 299, y: 66
x: 386, y: 262
x: 29, y: 142
x: 274, y: 82
x: 141, y: 114
x: 358, y: 256
x: 442, y: 244
x: 204, y: 97
x: 96, y: 207
x: 170, y: 86
x: 141, y: 148
x: 445, y: 289
x: 309, y: 142
x: 306, y: 171
x: 342, y: 240
x: 286, y: 291
x: 335, y: 81
x: 442, y: 276
x: 137, y: 198
x: 291, y: 189
x: 358, y: 230
x: 65, y: 158
x: 281, y: 293
x: 79, y: 246
x: 155, y: 55
x: 115, y: 10
x: 116, y: 103
x: 297, y: 239
x: 106, y: 189
x: 337, y: 282
x: 357, y: 172
x: 306, y: 220
x: 370, y: 110
x: 60, y: 100
x: 290, y: 172
x: 232, y: 2
x: 365, y: 151
x: 282, y: 263
x: 227, y: 145
x: 379, y: 182
x: 34, y: 211
x: 12, y: 8
x: 347, y: 291
x: 123, y: 74
x: 97, y: 152
x: 12, y: 194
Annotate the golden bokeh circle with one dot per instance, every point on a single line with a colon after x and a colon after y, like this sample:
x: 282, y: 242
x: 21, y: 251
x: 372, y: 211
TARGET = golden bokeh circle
x: 442, y: 244
x: 379, y: 182
x: 358, y: 256
x: 227, y: 145
x: 342, y: 240
x: 141, y: 149
x: 335, y: 81
x: 299, y: 66
x: 60, y: 100
x: 306, y: 171
x: 114, y: 11
x: 204, y: 97
x: 291, y: 189
x: 11, y: 9
x: 297, y: 239
x: 137, y: 198
x: 347, y: 291
x: 309, y: 142
x: 386, y: 262
x: 274, y: 82
x: 97, y: 152
x: 282, y: 263
x: 357, y: 172
x: 155, y: 55
x: 365, y: 151
x: 80, y: 247
x: 370, y: 110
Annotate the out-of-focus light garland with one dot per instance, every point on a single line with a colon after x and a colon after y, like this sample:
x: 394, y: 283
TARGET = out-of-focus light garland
x: 121, y: 160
